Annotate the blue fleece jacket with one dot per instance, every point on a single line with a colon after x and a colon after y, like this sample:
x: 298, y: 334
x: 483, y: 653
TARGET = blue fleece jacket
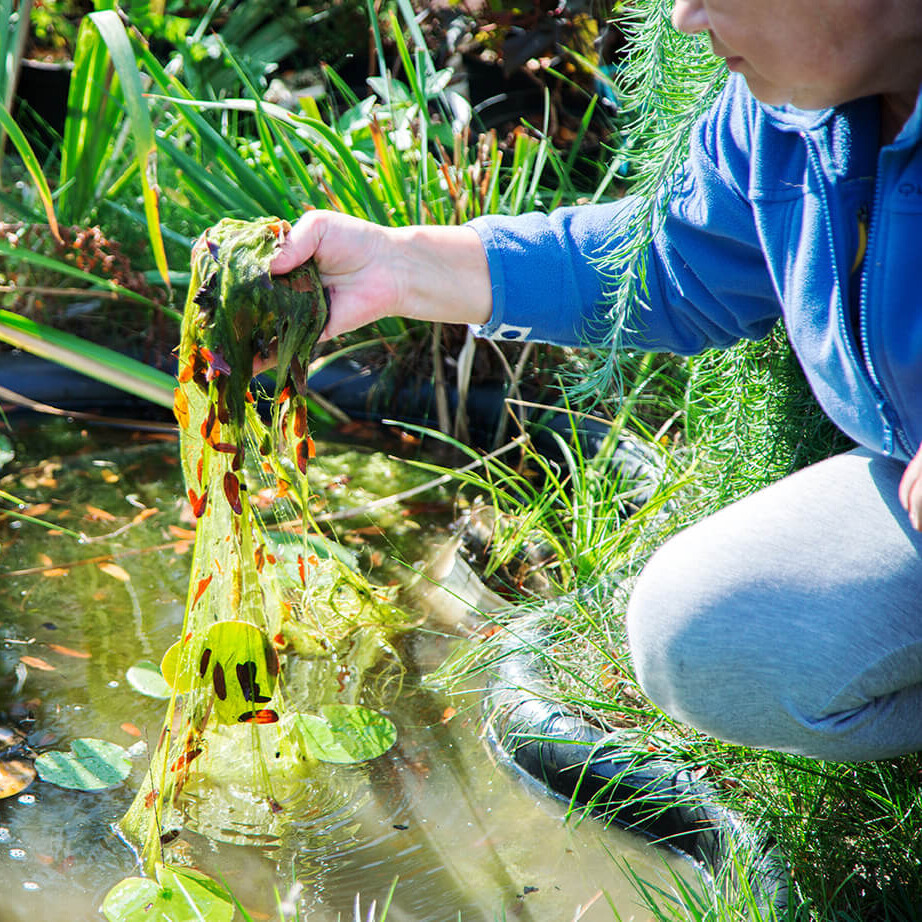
x: 766, y: 222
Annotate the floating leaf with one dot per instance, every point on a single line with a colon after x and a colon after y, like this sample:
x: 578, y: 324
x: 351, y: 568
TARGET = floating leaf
x: 177, y: 894
x: 115, y: 571
x: 68, y: 651
x: 186, y: 534
x: 15, y: 776
x: 346, y: 733
x: 91, y: 765
x: 146, y: 678
x: 95, y: 514
x: 36, y: 662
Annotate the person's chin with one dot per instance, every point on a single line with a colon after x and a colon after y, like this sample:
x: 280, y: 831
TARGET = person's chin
x: 765, y: 92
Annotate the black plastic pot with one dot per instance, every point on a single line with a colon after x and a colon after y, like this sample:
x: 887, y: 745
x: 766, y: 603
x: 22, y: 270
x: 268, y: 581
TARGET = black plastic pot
x: 41, y: 100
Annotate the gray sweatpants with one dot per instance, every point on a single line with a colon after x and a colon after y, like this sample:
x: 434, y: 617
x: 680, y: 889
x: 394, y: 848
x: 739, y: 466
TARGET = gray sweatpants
x: 792, y: 619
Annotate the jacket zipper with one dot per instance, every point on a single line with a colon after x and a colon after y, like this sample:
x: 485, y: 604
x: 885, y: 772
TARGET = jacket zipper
x: 891, y: 429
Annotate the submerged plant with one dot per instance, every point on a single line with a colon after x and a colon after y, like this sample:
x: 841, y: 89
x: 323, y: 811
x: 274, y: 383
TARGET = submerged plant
x: 279, y: 634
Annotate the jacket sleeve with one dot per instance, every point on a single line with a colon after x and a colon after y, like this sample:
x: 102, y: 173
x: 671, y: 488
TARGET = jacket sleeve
x: 706, y: 282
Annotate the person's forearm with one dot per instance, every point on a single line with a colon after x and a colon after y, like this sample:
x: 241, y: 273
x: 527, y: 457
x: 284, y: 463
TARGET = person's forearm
x: 443, y: 274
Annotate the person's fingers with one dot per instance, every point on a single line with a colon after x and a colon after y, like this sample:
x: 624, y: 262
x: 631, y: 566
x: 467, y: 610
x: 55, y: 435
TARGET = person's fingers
x: 911, y: 476
x: 261, y: 364
x: 914, y: 503
x: 300, y: 244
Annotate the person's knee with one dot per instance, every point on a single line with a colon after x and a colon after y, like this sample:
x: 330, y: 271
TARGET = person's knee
x: 665, y: 627
x: 692, y: 655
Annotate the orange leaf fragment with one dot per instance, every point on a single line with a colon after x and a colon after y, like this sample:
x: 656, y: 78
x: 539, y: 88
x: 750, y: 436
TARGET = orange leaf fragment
x: 115, y: 571
x: 55, y: 571
x: 448, y: 713
x: 95, y: 514
x: 185, y: 759
x: 202, y: 586
x: 68, y: 651
x: 130, y: 729
x: 144, y: 514
x: 232, y: 492
x: 262, y: 716
x: 15, y: 776
x: 304, y: 451
x: 36, y: 509
x: 211, y: 427
x: 198, y: 502
x: 300, y: 422
x: 36, y: 662
x: 181, y: 407
x: 185, y: 534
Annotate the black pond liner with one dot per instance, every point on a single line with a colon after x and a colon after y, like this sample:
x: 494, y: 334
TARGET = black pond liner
x: 569, y: 756
x: 620, y: 782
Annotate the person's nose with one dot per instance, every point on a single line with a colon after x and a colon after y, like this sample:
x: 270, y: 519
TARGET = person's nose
x: 689, y: 16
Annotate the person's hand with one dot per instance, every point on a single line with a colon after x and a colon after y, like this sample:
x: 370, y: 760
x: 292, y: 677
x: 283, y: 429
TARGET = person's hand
x: 911, y: 490
x: 432, y: 273
x: 356, y: 263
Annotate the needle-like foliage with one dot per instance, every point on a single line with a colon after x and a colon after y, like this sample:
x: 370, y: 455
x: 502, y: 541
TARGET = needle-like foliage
x: 666, y: 82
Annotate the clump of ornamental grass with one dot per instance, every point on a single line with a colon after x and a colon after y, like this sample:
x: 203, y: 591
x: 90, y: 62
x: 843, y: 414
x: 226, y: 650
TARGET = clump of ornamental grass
x: 752, y: 419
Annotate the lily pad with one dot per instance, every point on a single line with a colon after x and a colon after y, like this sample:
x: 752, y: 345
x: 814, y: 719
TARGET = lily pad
x: 91, y: 765
x: 177, y: 895
x: 145, y: 677
x: 346, y: 733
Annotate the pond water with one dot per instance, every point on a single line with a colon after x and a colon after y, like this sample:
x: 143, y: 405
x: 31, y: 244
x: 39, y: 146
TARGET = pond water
x: 464, y: 837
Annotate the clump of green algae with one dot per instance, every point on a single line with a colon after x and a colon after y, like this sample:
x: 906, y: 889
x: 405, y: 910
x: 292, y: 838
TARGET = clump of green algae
x: 275, y: 626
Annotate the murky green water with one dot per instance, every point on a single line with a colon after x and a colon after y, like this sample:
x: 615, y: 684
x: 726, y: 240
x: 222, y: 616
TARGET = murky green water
x: 464, y: 837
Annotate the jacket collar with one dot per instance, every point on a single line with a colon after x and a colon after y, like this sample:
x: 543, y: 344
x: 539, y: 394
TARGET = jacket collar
x: 790, y: 118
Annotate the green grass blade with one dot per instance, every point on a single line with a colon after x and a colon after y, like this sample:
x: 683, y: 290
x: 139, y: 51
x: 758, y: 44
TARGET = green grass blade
x: 14, y: 33
x: 93, y: 110
x: 113, y: 33
x: 88, y: 358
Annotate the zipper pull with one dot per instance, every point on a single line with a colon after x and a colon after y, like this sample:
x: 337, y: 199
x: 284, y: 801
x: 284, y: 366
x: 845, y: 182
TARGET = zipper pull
x: 884, y: 410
